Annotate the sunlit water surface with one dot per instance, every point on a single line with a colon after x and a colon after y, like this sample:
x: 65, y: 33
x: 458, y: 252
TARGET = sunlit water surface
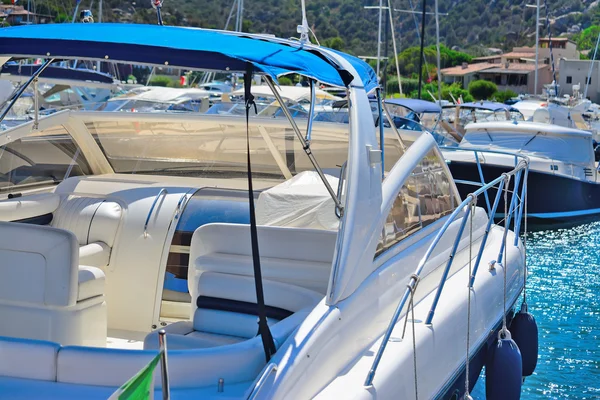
x: 563, y: 293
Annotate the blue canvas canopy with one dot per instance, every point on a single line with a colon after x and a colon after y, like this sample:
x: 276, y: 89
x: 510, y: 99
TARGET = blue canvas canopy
x: 488, y: 106
x: 190, y: 48
x: 53, y: 72
x: 416, y: 105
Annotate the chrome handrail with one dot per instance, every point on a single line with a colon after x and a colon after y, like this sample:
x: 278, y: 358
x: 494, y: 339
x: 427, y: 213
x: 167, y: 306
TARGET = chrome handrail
x: 272, y: 367
x: 523, y: 165
x: 162, y: 191
x: 178, y: 210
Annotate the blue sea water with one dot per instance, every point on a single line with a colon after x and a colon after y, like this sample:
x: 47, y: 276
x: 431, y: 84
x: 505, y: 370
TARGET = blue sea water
x: 563, y: 294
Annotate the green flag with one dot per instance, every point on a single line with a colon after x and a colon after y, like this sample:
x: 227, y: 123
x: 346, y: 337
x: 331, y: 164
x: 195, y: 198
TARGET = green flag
x: 140, y: 386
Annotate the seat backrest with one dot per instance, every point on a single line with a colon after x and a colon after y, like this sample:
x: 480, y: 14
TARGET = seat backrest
x: 28, y: 358
x: 38, y: 265
x: 90, y: 219
x: 226, y: 303
x: 298, y: 256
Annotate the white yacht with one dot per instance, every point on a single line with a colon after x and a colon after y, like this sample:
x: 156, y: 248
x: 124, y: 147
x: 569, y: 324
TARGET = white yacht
x: 563, y: 180
x: 368, y: 274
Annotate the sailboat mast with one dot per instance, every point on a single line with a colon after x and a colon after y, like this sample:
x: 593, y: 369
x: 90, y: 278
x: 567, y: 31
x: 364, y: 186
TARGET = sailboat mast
x: 379, y: 37
x: 437, y: 46
x: 589, y: 75
x: 422, y: 46
x: 98, y: 65
x: 537, y: 45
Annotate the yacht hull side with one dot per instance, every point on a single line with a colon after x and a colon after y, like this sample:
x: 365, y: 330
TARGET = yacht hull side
x: 553, y: 200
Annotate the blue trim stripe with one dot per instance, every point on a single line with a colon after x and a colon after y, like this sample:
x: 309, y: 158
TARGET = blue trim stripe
x: 559, y: 214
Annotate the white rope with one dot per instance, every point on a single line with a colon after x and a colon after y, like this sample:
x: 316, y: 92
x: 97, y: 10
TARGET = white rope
x: 525, y: 267
x: 412, y: 289
x: 506, y: 183
x: 472, y: 205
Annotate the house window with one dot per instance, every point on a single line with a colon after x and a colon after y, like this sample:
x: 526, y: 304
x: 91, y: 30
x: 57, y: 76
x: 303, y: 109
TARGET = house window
x: 569, y: 79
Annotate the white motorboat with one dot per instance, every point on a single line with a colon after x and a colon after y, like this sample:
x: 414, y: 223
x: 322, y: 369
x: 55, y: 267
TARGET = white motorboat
x: 118, y: 225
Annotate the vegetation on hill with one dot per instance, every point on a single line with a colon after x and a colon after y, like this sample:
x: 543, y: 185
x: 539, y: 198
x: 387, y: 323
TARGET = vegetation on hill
x: 470, y: 24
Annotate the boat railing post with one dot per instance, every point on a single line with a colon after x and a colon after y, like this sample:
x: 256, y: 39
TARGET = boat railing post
x: 162, y: 342
x: 25, y: 86
x: 508, y: 214
x: 487, y: 199
x: 487, y: 232
x: 450, y: 260
x: 36, y: 105
x: 311, y: 113
x: 522, y: 200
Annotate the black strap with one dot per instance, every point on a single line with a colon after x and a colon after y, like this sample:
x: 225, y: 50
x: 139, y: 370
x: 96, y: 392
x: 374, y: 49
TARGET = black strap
x: 263, y: 327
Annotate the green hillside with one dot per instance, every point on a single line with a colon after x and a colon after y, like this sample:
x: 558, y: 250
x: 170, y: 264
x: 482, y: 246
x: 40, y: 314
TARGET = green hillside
x: 470, y: 24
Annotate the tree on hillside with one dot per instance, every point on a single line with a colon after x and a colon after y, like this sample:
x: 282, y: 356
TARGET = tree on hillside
x: 482, y: 89
x: 586, y: 40
x: 408, y: 60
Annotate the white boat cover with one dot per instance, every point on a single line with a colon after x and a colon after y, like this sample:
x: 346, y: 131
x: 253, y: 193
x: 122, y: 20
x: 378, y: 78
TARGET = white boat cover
x: 302, y: 201
x: 533, y: 139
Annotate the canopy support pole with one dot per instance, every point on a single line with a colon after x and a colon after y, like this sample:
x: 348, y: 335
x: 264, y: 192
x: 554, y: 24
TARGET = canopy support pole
x: 24, y: 87
x: 36, y: 104
x: 311, y: 114
x: 305, y: 145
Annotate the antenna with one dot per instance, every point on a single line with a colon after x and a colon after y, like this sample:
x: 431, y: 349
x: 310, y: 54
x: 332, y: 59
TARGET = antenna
x: 303, y: 29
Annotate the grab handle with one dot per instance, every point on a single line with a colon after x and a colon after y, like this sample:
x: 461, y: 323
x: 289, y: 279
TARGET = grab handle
x: 162, y: 191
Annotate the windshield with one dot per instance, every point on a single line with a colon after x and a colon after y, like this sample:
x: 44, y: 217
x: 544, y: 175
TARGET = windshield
x: 567, y: 148
x: 205, y: 146
x: 41, y: 159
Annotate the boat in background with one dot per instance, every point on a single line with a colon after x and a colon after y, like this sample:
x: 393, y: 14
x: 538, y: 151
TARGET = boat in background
x: 563, y: 181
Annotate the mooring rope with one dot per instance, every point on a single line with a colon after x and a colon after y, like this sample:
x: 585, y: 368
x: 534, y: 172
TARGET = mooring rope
x: 525, y: 267
x: 472, y: 205
x: 412, y: 290
x: 414, y: 337
x: 507, y: 182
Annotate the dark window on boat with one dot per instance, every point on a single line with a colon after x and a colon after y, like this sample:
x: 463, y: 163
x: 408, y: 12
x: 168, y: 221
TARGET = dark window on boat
x: 569, y: 79
x: 44, y: 159
x: 589, y: 80
x: 426, y: 196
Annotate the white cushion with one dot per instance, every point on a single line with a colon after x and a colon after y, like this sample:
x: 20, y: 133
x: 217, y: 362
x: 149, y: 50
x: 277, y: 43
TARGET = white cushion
x: 181, y: 335
x: 299, y: 256
x: 38, y: 264
x: 227, y: 323
x: 239, y: 362
x: 105, y: 223
x: 28, y: 206
x: 99, y: 366
x: 95, y: 254
x: 91, y: 282
x: 75, y: 214
x: 27, y: 358
x: 90, y: 219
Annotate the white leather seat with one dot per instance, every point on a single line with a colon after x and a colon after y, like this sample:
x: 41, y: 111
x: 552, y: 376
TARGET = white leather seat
x: 21, y: 208
x: 43, y: 293
x: 95, y: 223
x: 297, y: 256
x: 225, y: 312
